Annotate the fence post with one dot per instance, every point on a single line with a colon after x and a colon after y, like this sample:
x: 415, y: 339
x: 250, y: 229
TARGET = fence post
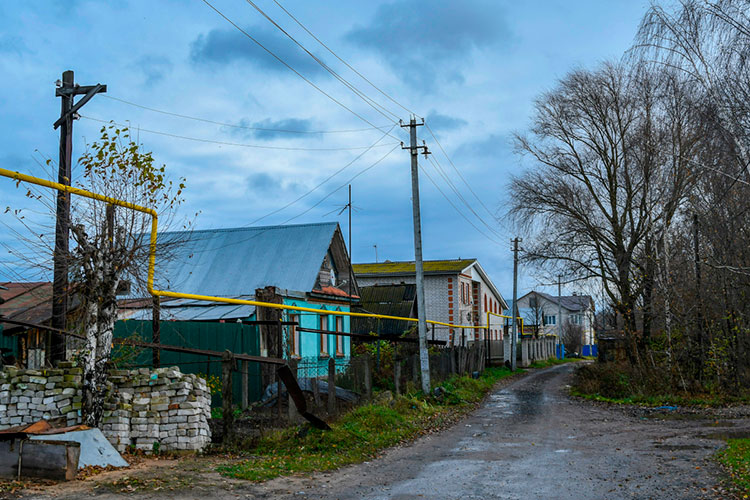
x: 316, y: 391
x: 368, y: 377
x: 397, y: 374
x: 293, y: 414
x: 245, y: 367
x: 227, y: 361
x: 331, y: 386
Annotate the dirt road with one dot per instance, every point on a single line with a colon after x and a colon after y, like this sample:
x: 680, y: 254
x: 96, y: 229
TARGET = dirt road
x: 531, y: 441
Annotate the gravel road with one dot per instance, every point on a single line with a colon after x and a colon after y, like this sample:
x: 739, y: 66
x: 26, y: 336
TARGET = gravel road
x: 528, y: 440
x: 531, y: 441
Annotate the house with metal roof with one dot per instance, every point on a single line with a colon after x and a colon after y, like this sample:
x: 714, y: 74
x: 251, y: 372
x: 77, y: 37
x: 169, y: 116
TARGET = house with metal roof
x: 388, y: 300
x: 456, y: 291
x: 24, y: 305
x: 548, y: 314
x: 302, y: 265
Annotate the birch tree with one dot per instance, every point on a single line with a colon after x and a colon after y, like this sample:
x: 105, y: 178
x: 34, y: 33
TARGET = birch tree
x: 112, y: 244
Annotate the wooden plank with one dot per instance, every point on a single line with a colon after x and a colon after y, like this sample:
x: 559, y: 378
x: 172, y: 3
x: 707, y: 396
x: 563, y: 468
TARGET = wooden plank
x: 42, y: 459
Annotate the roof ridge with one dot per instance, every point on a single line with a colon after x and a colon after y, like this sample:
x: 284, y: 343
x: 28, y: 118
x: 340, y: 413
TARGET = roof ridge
x: 411, y: 261
x: 252, y: 228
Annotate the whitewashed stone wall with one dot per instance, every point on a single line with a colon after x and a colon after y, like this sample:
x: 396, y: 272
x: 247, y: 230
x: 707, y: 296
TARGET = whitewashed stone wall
x: 143, y: 407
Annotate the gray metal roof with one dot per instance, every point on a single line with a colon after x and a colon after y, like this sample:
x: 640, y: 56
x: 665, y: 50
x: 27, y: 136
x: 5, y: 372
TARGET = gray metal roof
x: 570, y: 302
x: 234, y: 262
x: 193, y: 310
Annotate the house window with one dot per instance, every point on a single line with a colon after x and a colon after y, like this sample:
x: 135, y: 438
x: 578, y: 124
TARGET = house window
x: 550, y: 320
x: 339, y: 338
x: 294, y: 335
x: 323, y: 336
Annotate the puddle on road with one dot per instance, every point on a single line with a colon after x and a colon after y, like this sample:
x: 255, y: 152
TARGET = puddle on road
x: 730, y: 434
x: 524, y: 403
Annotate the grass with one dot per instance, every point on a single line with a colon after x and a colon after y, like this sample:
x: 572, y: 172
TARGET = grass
x: 705, y: 400
x: 552, y: 362
x: 364, y: 432
x: 735, y: 459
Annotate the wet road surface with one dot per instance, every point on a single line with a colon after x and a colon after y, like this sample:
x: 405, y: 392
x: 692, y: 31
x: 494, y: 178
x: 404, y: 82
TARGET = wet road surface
x: 530, y: 440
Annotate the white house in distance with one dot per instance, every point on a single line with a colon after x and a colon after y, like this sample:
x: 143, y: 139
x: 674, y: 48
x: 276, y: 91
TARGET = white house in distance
x: 456, y: 291
x: 540, y: 312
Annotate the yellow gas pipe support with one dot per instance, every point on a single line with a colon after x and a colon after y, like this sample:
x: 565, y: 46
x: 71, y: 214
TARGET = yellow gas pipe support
x: 17, y: 176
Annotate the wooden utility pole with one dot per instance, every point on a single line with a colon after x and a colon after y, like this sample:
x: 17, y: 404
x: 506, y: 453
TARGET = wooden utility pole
x: 67, y: 89
x: 424, y: 359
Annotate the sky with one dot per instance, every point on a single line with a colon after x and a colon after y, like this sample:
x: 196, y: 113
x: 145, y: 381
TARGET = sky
x: 472, y: 69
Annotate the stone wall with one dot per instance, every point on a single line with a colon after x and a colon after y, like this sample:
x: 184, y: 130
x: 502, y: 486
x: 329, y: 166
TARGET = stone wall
x: 143, y: 406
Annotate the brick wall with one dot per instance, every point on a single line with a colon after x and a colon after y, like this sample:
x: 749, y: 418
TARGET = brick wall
x: 143, y: 406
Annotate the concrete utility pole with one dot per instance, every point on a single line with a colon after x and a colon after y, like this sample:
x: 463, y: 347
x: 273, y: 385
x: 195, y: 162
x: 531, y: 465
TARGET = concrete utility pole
x: 559, y: 310
x: 424, y: 359
x: 514, y: 321
x: 67, y: 89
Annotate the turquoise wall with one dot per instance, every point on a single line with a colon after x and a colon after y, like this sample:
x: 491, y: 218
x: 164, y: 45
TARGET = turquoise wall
x: 310, y: 342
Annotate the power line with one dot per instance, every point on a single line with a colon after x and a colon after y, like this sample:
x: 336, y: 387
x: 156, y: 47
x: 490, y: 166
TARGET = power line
x: 321, y: 183
x: 236, y: 144
x: 371, y: 102
x: 343, y: 61
x: 366, y: 169
x: 245, y: 127
x: 329, y: 96
x: 460, y: 196
x: 344, y: 184
x: 458, y: 171
x: 456, y: 208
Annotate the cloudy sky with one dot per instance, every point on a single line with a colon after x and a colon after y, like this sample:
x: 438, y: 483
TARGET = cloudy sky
x: 266, y: 137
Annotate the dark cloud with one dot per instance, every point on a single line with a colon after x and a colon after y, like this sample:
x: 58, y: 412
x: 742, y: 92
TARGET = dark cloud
x: 154, y: 68
x: 438, y: 121
x: 425, y: 42
x: 492, y: 147
x: 225, y: 46
x: 263, y: 182
x: 273, y: 129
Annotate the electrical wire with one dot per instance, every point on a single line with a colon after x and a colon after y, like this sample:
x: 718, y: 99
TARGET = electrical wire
x: 236, y: 144
x: 434, y: 136
x: 460, y: 196
x: 371, y: 102
x: 321, y: 183
x: 344, y: 62
x: 244, y: 127
x: 456, y: 208
x: 366, y: 169
x: 329, y: 96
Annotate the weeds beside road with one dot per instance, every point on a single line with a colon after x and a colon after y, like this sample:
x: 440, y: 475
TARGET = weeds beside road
x: 364, y: 432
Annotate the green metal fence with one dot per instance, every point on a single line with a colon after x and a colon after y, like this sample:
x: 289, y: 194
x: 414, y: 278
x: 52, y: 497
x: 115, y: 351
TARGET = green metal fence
x: 214, y: 336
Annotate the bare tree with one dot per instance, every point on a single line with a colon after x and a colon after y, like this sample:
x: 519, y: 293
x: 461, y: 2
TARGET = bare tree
x: 610, y: 148
x: 572, y: 337
x: 534, y: 317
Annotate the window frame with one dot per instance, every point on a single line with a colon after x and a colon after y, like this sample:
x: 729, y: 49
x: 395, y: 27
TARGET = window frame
x: 339, y: 338
x: 323, y: 325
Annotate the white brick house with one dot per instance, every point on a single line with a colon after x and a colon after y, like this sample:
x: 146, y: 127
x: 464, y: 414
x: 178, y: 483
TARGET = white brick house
x: 456, y: 291
x: 540, y: 311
